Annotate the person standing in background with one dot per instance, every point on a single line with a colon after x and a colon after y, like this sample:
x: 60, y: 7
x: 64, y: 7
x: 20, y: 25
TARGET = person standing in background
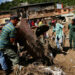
x: 72, y: 34
x: 58, y: 28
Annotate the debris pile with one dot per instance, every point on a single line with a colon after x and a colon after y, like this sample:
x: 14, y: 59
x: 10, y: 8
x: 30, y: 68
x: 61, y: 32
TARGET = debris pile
x: 34, y: 69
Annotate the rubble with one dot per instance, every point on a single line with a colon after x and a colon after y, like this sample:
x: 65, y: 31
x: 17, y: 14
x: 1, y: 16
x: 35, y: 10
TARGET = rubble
x: 40, y: 70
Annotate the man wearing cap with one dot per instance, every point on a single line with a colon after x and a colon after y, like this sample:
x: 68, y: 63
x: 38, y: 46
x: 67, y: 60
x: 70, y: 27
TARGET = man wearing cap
x: 7, y: 39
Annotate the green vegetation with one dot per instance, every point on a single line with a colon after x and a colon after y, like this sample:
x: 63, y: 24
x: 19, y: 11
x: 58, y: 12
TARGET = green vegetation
x: 8, y: 5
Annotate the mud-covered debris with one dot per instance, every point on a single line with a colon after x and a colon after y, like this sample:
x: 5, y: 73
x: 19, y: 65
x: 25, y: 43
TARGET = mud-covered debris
x: 40, y: 70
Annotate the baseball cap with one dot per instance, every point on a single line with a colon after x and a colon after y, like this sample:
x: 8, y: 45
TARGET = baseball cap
x: 14, y: 17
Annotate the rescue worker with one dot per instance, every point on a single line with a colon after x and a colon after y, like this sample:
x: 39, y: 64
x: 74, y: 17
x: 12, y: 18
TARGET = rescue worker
x: 7, y: 40
x: 72, y: 34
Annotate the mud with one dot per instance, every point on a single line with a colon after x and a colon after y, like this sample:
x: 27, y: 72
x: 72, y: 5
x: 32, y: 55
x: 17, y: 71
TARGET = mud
x: 64, y: 63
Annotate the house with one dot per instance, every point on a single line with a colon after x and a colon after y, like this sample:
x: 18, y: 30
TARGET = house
x: 4, y: 17
x: 63, y: 11
x: 38, y: 10
x: 42, y: 10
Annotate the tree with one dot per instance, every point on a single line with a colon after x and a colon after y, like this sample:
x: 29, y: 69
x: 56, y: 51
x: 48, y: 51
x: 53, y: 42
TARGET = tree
x: 8, y: 5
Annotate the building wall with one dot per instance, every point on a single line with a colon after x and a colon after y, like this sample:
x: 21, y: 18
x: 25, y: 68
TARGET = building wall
x: 61, y: 11
x: 38, y: 11
x: 64, y: 11
x: 3, y: 18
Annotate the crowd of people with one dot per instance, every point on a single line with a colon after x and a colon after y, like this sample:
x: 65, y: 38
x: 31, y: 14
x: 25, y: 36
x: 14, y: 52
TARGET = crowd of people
x: 7, y: 37
x: 58, y: 30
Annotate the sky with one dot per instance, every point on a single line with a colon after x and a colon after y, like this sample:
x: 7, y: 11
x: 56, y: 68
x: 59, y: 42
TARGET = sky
x: 1, y: 1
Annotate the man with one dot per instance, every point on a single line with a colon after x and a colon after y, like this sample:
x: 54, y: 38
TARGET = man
x: 72, y: 34
x: 7, y: 40
x: 58, y: 28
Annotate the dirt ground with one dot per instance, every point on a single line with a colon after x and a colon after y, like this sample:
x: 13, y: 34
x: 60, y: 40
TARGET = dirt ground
x: 66, y: 62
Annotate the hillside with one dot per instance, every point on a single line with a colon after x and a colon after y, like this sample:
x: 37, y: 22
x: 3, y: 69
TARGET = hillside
x: 8, y: 5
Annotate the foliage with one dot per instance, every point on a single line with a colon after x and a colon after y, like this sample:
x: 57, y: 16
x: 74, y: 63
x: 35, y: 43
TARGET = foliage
x: 8, y: 5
